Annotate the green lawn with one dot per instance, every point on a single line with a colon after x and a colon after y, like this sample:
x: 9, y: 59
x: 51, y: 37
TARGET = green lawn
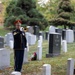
x: 58, y: 64
x: 3, y: 31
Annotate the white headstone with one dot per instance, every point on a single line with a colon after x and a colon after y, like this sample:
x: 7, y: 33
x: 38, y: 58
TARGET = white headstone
x: 64, y: 46
x: 61, y: 40
x: 30, y: 29
x: 51, y: 29
x: 16, y: 73
x: 25, y: 60
x: 27, y: 35
x: 69, y: 36
x: 39, y: 53
x: 41, y: 39
x: 46, y: 69
x: 5, y: 38
x: 8, y: 37
x: 4, y: 58
x: 31, y: 39
x: 11, y: 43
x: 70, y: 66
x: 39, y: 43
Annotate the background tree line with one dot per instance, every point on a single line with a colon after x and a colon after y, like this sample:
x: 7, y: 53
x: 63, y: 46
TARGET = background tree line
x: 34, y: 14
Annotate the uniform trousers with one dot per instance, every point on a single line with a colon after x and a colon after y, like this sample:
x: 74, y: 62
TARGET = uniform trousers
x: 18, y: 59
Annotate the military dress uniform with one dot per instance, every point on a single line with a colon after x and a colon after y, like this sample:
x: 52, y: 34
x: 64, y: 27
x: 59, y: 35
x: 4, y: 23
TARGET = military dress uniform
x: 20, y: 43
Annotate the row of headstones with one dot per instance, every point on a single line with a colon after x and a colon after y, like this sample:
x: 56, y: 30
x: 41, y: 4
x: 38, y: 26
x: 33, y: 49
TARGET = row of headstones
x: 65, y: 36
x: 5, y: 55
x: 52, y: 51
x: 64, y: 33
x: 39, y: 50
x: 9, y: 41
x: 51, y: 37
x: 39, y: 47
x: 29, y: 36
x: 70, y: 68
x: 39, y: 55
x: 47, y: 68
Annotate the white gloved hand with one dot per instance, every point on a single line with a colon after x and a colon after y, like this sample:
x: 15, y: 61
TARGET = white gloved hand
x: 25, y: 48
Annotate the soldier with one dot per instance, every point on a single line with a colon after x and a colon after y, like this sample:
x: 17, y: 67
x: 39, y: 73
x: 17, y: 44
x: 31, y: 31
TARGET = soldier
x: 20, y: 44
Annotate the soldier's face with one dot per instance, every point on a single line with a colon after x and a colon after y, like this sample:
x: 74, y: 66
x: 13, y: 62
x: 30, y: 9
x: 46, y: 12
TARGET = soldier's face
x: 18, y: 25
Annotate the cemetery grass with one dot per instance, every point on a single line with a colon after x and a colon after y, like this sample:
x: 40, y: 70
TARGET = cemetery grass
x: 3, y: 31
x: 58, y: 64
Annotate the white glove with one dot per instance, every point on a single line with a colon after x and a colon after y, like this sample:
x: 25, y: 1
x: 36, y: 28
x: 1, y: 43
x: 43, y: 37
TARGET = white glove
x: 25, y: 48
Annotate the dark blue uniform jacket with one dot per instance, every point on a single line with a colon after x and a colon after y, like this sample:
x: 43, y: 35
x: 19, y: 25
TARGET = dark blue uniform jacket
x: 20, y: 41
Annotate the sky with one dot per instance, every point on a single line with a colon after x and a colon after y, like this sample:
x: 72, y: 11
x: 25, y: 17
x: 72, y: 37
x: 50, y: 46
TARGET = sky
x: 42, y: 1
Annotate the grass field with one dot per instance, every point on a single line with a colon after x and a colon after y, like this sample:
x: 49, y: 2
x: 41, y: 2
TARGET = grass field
x: 58, y: 64
x: 3, y: 31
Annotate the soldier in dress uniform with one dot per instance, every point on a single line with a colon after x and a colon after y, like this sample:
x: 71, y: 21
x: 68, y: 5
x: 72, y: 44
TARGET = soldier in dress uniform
x: 20, y: 44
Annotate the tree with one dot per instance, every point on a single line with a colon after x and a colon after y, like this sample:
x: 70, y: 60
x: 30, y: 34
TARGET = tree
x: 26, y: 11
x: 49, y: 9
x: 64, y: 14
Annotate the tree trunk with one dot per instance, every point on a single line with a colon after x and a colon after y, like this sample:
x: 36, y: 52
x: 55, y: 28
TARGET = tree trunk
x: 64, y: 26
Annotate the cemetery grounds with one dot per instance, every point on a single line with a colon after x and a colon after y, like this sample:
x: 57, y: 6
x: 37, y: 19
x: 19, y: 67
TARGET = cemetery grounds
x: 58, y: 64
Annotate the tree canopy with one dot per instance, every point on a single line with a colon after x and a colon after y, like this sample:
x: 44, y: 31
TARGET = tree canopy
x: 64, y: 11
x: 26, y: 11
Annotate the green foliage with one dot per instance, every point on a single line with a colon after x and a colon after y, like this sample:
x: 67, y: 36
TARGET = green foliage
x: 64, y: 15
x: 16, y: 11
x: 49, y: 9
x: 10, y: 6
x: 65, y: 5
x: 9, y: 21
x: 26, y: 11
x: 26, y: 5
x: 64, y: 11
x: 61, y: 21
